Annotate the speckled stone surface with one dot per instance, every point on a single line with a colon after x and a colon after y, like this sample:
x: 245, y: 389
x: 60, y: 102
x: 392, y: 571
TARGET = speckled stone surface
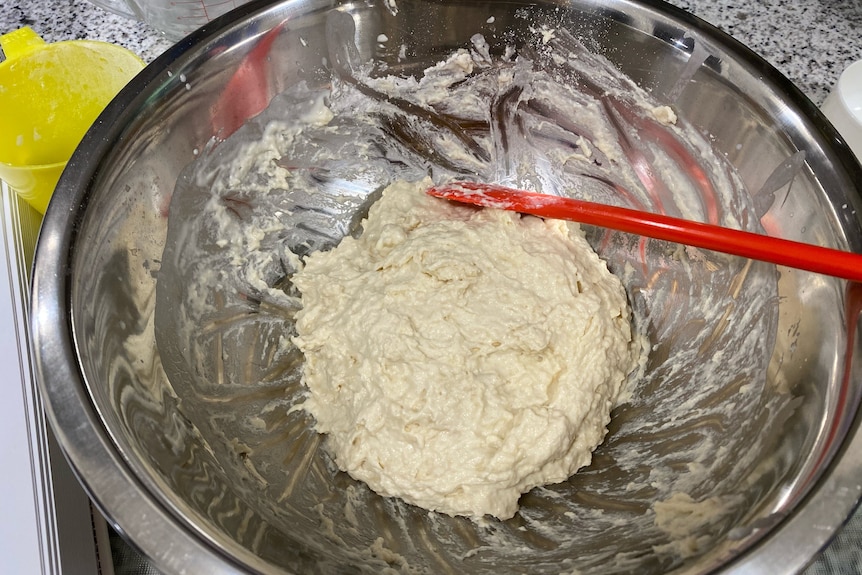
x: 56, y: 20
x: 810, y: 42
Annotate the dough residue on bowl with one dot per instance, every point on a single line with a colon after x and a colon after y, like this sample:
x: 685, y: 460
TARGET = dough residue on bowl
x: 456, y: 358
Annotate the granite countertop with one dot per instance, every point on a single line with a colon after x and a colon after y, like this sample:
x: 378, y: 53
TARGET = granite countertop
x: 810, y: 42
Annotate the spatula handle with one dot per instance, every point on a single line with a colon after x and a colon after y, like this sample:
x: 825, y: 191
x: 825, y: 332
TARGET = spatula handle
x: 746, y: 244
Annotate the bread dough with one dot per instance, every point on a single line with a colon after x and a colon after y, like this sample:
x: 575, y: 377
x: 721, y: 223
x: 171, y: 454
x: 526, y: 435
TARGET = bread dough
x: 458, y: 357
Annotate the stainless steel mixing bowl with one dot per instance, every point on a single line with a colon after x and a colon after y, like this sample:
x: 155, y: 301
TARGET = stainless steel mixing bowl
x: 178, y: 420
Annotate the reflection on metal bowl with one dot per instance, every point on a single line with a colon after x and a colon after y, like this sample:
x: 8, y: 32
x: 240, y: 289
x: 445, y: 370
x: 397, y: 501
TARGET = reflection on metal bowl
x: 164, y: 363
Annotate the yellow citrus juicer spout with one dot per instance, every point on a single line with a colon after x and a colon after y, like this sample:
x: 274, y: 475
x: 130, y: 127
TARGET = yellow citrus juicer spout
x: 50, y: 94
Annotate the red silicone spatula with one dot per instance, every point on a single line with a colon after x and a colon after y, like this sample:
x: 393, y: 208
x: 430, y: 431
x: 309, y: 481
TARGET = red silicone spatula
x: 746, y: 244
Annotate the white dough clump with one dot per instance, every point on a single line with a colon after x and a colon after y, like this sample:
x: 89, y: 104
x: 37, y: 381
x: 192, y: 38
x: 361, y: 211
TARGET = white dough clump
x: 458, y: 357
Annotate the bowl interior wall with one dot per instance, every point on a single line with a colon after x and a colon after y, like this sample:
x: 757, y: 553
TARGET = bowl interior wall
x: 173, y: 413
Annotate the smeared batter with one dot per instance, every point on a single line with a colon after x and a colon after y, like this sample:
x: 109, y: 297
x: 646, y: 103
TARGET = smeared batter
x: 456, y: 357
